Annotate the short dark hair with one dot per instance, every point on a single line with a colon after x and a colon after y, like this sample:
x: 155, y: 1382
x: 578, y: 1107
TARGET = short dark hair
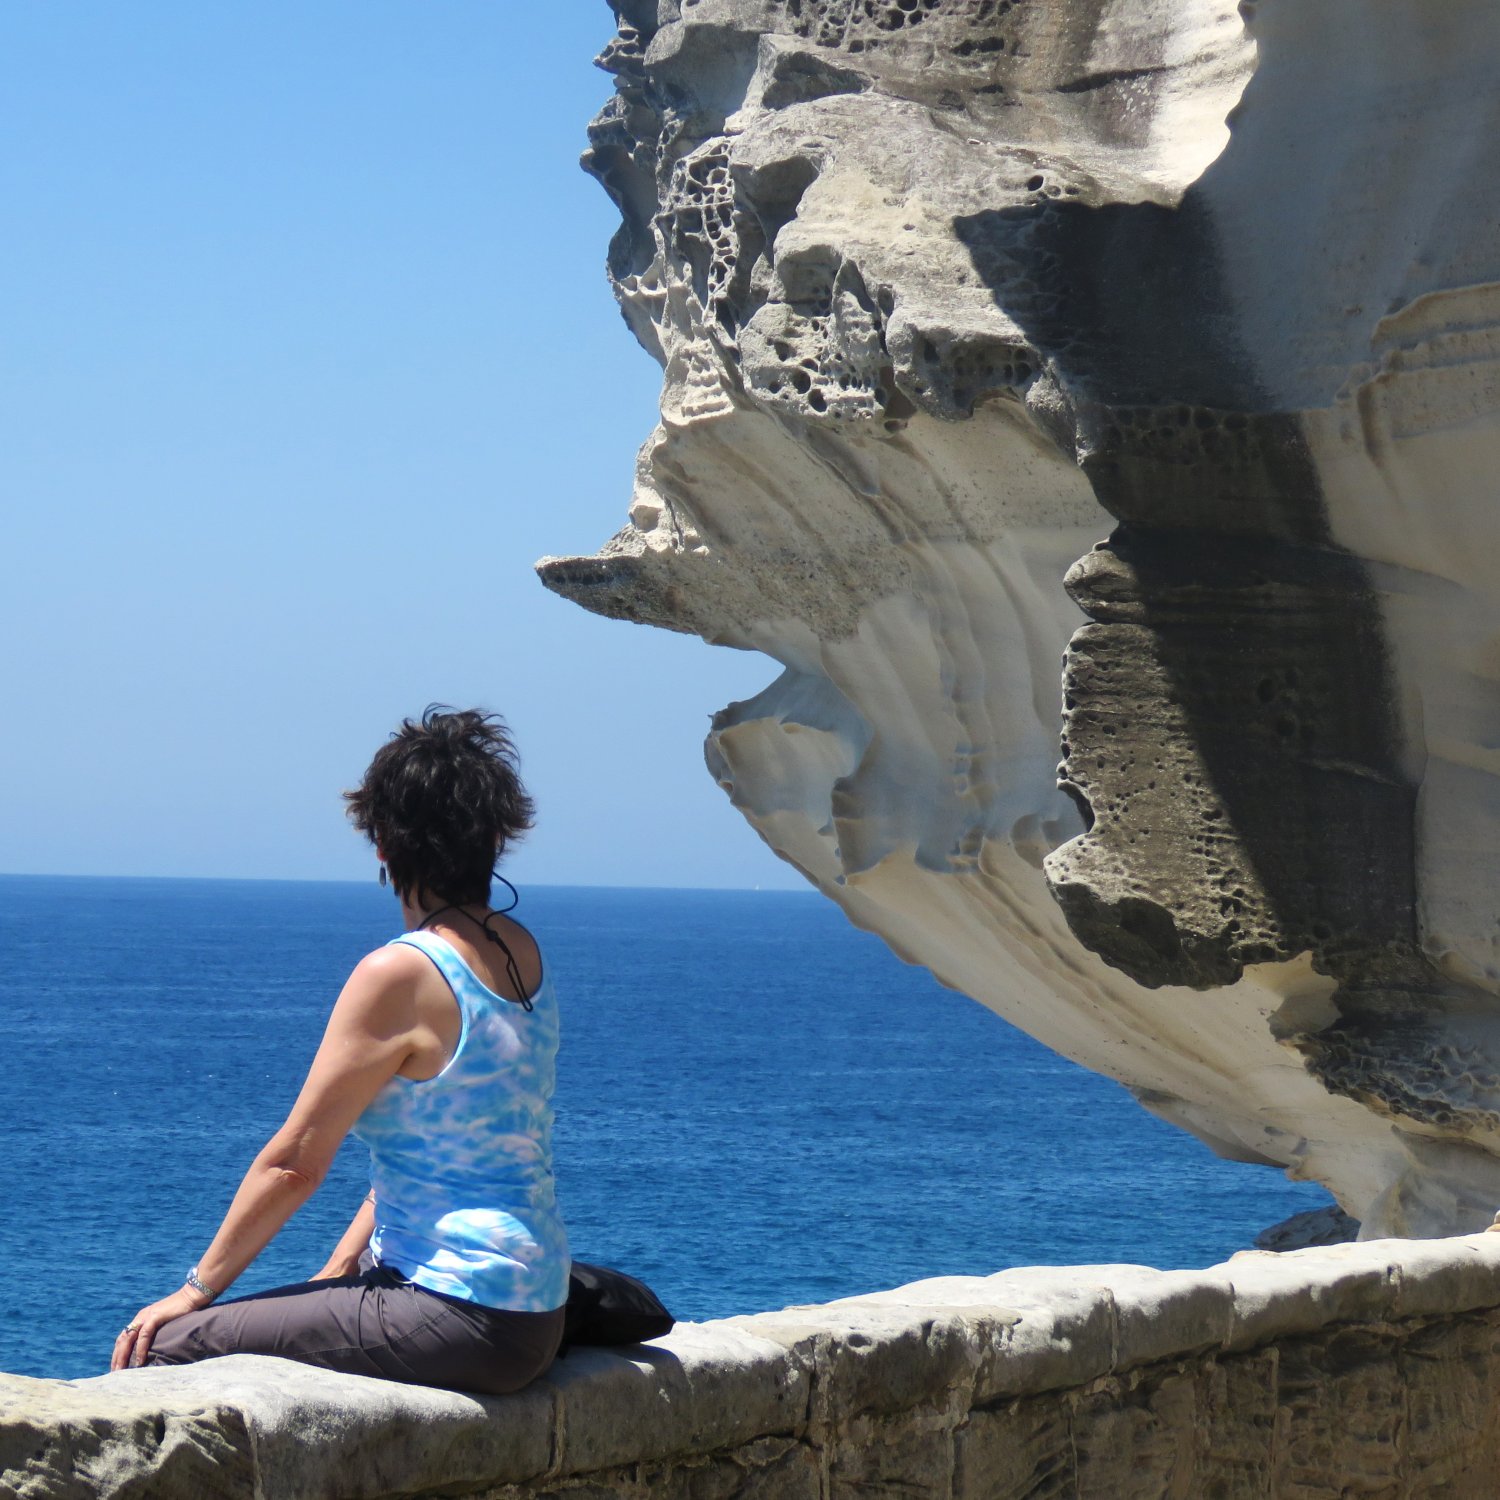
x: 441, y: 801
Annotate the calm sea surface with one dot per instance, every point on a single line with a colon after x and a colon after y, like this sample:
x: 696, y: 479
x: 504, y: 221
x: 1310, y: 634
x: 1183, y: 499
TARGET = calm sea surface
x: 757, y: 1105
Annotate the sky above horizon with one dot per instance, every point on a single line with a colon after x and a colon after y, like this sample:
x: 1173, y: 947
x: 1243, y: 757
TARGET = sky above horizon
x: 309, y: 355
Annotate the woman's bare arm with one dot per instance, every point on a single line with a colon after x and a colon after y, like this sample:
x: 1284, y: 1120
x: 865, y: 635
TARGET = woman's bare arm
x: 356, y: 1239
x: 369, y: 1036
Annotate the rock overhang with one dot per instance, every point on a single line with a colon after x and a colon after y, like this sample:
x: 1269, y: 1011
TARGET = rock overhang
x: 1141, y: 338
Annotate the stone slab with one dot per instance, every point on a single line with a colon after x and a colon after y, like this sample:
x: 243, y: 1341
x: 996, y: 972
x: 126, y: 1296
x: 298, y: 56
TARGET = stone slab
x: 703, y: 1387
x: 1043, y: 1377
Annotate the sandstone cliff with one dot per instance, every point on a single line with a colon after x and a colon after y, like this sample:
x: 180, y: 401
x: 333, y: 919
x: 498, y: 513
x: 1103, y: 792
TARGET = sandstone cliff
x: 1158, y: 339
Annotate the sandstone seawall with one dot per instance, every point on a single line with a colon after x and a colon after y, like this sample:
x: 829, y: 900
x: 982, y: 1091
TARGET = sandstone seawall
x: 1370, y: 1369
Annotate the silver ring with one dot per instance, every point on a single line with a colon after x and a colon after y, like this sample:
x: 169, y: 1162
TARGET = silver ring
x: 130, y: 1328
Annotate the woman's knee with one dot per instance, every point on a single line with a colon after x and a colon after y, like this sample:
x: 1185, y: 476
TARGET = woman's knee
x: 178, y: 1342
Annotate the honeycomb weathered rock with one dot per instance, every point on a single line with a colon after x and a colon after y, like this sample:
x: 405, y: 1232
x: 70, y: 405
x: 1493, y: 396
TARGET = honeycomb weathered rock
x: 1189, y: 312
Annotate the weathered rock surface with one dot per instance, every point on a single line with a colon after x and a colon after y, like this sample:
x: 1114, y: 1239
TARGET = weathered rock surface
x: 1159, y: 338
x: 1369, y: 1369
x: 1319, y: 1226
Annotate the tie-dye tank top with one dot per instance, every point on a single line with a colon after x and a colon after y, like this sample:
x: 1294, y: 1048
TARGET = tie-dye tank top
x: 461, y: 1163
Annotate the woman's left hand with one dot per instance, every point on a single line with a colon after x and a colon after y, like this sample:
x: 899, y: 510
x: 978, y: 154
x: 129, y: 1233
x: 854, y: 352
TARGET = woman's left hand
x: 133, y: 1346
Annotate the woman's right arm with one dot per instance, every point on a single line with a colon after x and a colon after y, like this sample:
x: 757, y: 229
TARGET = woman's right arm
x: 345, y: 1258
x: 370, y: 1034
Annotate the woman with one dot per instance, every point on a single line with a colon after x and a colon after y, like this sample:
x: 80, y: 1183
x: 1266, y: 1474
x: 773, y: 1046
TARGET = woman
x: 440, y: 1056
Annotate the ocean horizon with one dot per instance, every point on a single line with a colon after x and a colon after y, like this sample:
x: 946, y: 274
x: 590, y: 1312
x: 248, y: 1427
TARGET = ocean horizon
x: 758, y: 1105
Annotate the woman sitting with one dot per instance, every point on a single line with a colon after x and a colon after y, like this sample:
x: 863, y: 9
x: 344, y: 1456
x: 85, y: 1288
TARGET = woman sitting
x: 439, y: 1055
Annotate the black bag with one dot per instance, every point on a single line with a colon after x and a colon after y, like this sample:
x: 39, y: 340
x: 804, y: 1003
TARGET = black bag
x: 606, y: 1308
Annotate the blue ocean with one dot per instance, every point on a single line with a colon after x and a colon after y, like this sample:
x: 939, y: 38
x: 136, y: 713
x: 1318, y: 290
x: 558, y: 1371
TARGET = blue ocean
x: 757, y: 1105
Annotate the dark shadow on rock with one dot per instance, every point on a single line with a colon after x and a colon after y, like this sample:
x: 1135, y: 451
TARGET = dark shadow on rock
x: 1229, y: 718
x: 1230, y: 726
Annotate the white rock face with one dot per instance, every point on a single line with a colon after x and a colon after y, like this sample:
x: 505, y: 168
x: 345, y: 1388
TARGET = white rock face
x: 949, y: 292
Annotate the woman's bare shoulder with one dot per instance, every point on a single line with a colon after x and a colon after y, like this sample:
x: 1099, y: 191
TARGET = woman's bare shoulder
x: 384, y: 977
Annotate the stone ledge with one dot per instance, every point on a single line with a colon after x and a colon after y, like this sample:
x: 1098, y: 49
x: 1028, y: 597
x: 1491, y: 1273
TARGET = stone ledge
x: 773, y: 1404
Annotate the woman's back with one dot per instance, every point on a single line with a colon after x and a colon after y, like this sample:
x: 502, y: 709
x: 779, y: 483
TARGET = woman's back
x: 461, y: 1162
x: 489, y: 961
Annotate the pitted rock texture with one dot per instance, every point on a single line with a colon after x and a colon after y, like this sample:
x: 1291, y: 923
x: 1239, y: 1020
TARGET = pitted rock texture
x: 1317, y: 1226
x: 1159, y: 338
x: 1369, y: 1369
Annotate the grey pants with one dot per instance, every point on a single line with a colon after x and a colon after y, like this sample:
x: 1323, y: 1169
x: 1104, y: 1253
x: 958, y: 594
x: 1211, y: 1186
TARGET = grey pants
x: 375, y: 1323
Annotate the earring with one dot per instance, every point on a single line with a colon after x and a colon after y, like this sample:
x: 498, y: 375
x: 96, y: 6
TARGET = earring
x: 382, y: 875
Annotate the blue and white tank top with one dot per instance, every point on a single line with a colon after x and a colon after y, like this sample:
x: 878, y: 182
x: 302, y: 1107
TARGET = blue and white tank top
x: 461, y: 1163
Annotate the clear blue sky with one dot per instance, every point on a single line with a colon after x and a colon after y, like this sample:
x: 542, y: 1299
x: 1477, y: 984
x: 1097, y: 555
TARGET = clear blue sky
x: 306, y: 355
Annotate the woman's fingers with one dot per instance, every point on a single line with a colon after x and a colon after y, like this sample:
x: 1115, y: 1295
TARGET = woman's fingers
x: 133, y: 1346
x: 142, y: 1349
x: 125, y: 1344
